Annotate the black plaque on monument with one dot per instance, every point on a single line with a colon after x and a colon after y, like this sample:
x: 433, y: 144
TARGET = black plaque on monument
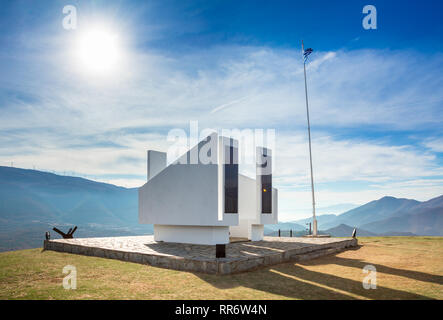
x: 220, y: 251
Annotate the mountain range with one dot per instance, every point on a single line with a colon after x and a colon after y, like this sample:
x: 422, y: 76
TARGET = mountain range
x: 389, y: 215
x: 32, y: 202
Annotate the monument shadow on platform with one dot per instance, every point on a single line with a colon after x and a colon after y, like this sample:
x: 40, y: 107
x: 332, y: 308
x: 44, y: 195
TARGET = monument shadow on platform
x: 240, y: 256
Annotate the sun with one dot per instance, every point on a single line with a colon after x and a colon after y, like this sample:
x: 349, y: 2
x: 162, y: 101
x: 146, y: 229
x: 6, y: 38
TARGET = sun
x: 98, y: 50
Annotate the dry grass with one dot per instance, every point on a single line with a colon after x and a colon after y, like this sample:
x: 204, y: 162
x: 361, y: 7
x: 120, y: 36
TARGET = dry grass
x: 407, y: 268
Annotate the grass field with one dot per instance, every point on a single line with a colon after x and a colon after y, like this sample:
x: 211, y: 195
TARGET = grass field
x: 407, y: 268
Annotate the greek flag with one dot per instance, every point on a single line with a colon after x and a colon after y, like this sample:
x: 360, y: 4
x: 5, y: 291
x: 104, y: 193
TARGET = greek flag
x: 306, y: 53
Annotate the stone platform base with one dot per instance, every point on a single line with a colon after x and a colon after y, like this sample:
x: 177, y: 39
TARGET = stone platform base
x: 317, y: 236
x: 240, y: 256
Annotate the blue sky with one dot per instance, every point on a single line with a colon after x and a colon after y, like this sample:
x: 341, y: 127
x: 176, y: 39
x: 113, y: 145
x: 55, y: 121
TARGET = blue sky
x: 376, y: 95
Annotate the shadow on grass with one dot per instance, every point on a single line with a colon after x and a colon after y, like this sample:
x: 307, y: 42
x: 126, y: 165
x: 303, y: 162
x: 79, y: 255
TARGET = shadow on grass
x: 360, y: 264
x: 292, y: 280
x: 308, y: 285
x: 348, y: 285
x: 268, y: 281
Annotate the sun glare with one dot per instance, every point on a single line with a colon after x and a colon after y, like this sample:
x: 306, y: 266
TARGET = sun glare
x: 98, y: 50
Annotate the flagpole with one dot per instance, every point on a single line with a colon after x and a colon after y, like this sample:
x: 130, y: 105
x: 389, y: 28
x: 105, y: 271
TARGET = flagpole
x: 310, y: 151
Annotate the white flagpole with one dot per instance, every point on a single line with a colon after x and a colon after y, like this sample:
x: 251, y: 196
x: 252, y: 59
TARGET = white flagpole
x: 314, y: 224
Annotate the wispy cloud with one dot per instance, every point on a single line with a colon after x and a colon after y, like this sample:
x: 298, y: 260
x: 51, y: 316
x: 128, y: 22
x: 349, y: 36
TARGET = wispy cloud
x: 435, y: 144
x: 224, y: 106
x: 61, y: 121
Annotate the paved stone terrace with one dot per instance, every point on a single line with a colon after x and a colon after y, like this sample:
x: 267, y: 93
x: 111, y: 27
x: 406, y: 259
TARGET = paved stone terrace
x: 240, y: 256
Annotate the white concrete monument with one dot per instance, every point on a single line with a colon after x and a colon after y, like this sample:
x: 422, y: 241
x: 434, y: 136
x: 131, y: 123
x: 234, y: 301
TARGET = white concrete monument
x: 202, y: 199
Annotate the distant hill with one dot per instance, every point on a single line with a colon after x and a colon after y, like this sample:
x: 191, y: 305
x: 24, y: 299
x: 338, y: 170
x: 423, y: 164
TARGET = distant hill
x: 344, y: 230
x: 322, y: 220
x: 375, y: 210
x: 284, y: 226
x: 34, y: 195
x: 422, y: 218
x: 31, y: 202
x: 390, y: 215
x: 424, y: 222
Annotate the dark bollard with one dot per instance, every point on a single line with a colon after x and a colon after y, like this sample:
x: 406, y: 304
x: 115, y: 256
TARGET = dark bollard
x: 290, y: 233
x: 220, y: 251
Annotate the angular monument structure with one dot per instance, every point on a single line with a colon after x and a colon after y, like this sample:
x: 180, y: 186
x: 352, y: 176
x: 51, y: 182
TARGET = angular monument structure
x: 202, y: 199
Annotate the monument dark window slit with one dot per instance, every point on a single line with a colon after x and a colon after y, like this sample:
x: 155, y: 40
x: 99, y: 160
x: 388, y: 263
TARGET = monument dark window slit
x: 231, y: 180
x: 266, y: 191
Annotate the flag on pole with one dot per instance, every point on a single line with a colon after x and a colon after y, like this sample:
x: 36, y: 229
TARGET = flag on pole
x: 306, y: 53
